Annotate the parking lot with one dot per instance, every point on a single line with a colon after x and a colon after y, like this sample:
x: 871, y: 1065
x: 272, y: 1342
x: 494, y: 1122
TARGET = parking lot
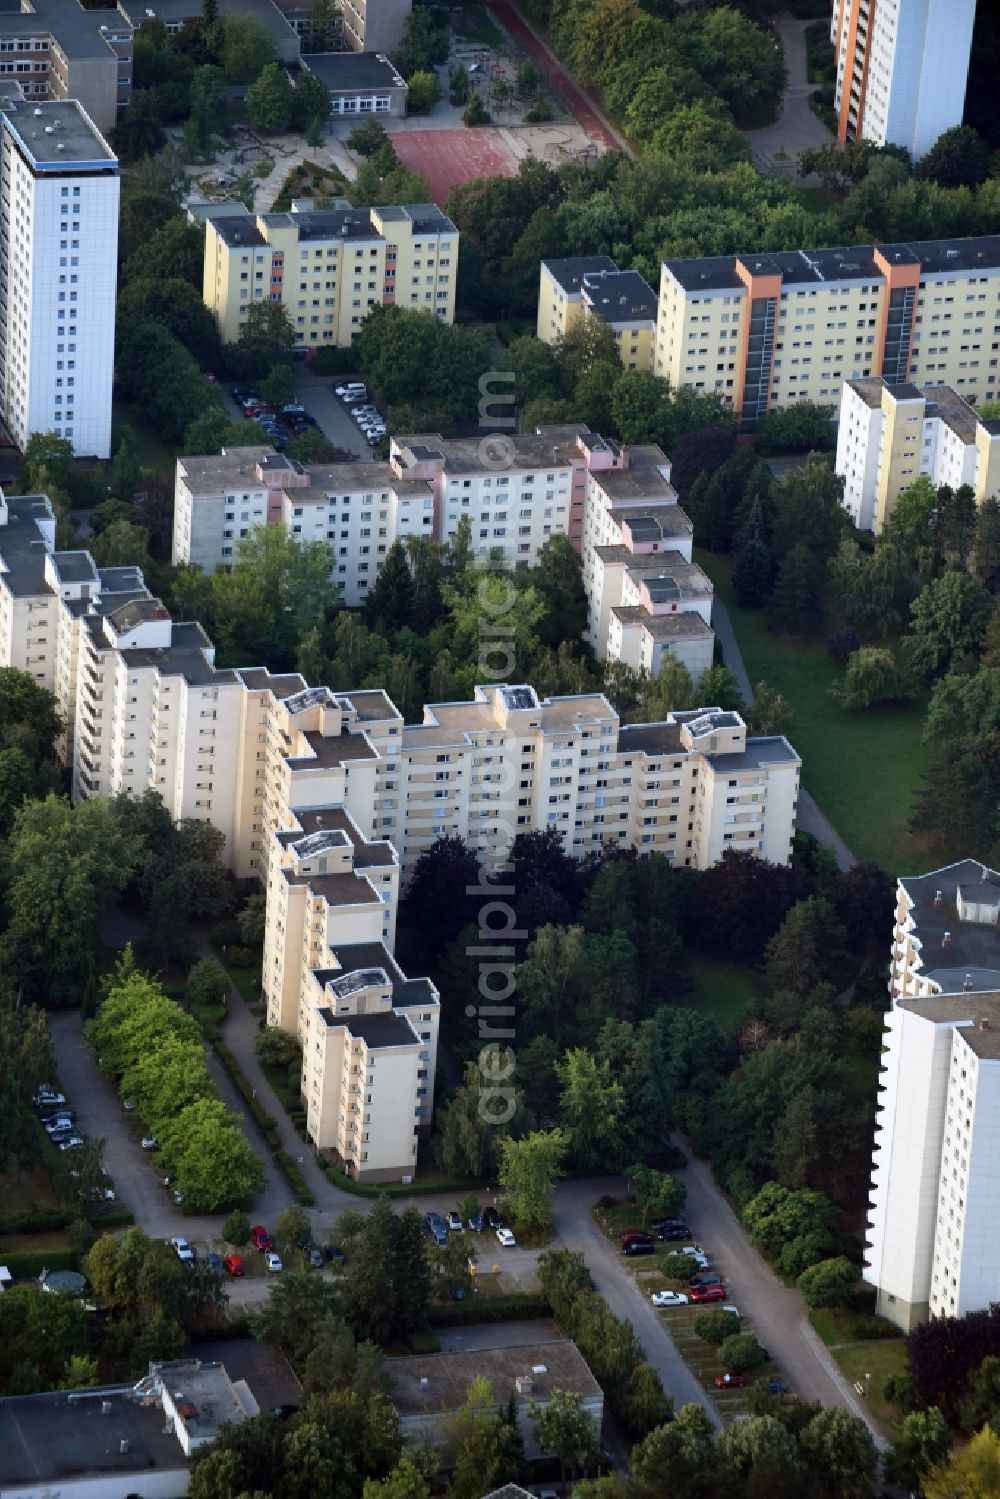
x: 329, y: 415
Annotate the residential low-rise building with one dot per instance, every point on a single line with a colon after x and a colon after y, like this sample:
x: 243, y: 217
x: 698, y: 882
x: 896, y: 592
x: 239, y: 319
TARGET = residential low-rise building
x: 329, y: 269
x: 429, y: 1388
x: 362, y: 80
x: 767, y: 330
x: 584, y: 286
x: 890, y: 435
x: 935, y: 1187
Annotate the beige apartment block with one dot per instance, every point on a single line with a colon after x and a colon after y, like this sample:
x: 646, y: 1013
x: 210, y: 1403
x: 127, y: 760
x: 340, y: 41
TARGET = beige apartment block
x: 374, y: 25
x: 329, y: 269
x: 580, y: 287
x: 507, y: 762
x: 327, y: 799
x: 890, y: 435
x: 766, y: 331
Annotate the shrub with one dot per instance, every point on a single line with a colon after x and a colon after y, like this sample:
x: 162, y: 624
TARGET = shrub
x: 268, y: 1125
x: 29, y: 1264
x: 830, y: 1283
x: 294, y: 1178
x: 475, y: 113
x: 511, y: 1308
x: 276, y: 1048
x: 236, y: 1229
x: 539, y: 113
x: 242, y: 957
x: 607, y: 1202
x: 741, y: 1352
x: 716, y: 1326
x: 902, y: 1391
x: 37, y: 1220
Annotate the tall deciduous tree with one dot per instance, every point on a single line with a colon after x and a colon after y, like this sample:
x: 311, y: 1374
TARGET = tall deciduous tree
x: 529, y: 1170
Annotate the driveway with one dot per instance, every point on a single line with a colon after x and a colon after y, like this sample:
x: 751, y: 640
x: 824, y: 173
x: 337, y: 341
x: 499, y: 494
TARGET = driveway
x: 315, y: 393
x: 775, y: 148
x: 576, y: 1229
x: 776, y: 1312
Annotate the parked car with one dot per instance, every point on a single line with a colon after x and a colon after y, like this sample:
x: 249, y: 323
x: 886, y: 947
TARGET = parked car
x: 454, y: 1221
x: 149, y: 1142
x: 692, y: 1252
x: 506, y: 1238
x: 47, y: 1098
x: 178, y: 1198
x: 102, y: 1194
x: 57, y: 1122
x: 777, y: 1387
x: 260, y: 1238
x: 168, y: 1180
x: 492, y: 1217
x: 475, y: 1223
x: 245, y: 393
x: 668, y: 1298
x: 71, y: 1142
x: 639, y: 1246
x: 671, y: 1233
x: 659, y: 1224
x: 292, y: 408
x: 183, y: 1251
x: 61, y: 1132
x: 351, y: 390
x: 128, y: 1105
x: 284, y: 1412
x: 707, y: 1293
x: 711, y: 1279
x: 273, y: 1261
x: 730, y: 1381
x: 233, y: 1265
x: 214, y: 1262
x: 636, y: 1236
x: 315, y: 1258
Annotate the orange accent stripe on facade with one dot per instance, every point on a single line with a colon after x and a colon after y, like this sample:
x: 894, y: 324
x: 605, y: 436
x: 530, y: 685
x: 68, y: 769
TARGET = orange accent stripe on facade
x: 758, y: 286
x: 843, y: 119
x: 896, y: 277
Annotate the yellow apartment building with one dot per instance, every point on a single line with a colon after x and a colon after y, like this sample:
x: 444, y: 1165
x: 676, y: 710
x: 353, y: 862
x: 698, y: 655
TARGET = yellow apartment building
x: 583, y: 286
x: 329, y: 269
x: 769, y: 330
x: 889, y: 435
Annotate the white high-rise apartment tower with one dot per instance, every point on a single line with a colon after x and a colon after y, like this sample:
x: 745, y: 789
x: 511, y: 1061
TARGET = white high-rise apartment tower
x: 58, y: 270
x: 902, y: 67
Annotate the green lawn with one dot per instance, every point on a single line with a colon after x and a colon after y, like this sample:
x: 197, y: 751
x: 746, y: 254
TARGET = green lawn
x: 863, y: 768
x: 722, y: 990
x: 877, y: 1357
x: 246, y: 980
x: 154, y: 455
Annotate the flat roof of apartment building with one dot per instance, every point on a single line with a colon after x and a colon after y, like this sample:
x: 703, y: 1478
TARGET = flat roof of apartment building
x: 941, y: 401
x: 972, y: 947
x: 176, y: 12
x: 211, y: 473
x: 620, y: 296
x: 551, y: 447
x: 82, y: 34
x: 336, y: 820
x: 383, y: 1029
x: 973, y: 1009
x: 568, y: 271
x: 58, y: 136
x: 654, y: 523
x: 845, y: 263
x: 63, y: 1438
x: 371, y: 704
x: 185, y: 657
x: 687, y: 626
x: 638, y: 481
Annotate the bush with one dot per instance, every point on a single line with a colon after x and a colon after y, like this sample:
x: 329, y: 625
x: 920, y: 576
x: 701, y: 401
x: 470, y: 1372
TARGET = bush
x: 830, y: 1283
x: 242, y: 957
x: 268, y: 1125
x: 741, y: 1352
x: 511, y: 1308
x: 236, y: 1229
x: 539, y: 113
x: 294, y: 1178
x: 607, y: 1202
x: 901, y: 1389
x: 37, y: 1220
x: 422, y: 1342
x: 476, y: 113
x: 276, y: 1048
x: 716, y: 1326
x: 30, y: 1263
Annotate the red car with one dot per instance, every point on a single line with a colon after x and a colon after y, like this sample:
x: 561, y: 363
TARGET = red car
x: 233, y: 1265
x: 260, y: 1238
x: 708, y: 1293
x: 730, y: 1381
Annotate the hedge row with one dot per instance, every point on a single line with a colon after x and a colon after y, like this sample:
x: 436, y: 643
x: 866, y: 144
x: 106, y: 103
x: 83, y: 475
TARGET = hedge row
x: 29, y: 1263
x: 295, y: 1179
x: 38, y: 1220
x: 339, y: 1178
x: 268, y: 1124
x: 509, y: 1308
x: 116, y: 1217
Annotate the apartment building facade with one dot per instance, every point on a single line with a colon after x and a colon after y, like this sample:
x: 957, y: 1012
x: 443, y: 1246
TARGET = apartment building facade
x: 328, y: 799
x: 935, y: 1179
x: 591, y: 286
x: 902, y: 67
x: 329, y: 269
x: 59, y: 190
x: 766, y: 331
x: 616, y: 505
x: 891, y: 434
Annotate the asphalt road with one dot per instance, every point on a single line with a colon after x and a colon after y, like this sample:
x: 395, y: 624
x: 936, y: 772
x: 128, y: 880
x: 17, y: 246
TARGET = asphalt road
x: 776, y: 1312
x: 576, y: 1229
